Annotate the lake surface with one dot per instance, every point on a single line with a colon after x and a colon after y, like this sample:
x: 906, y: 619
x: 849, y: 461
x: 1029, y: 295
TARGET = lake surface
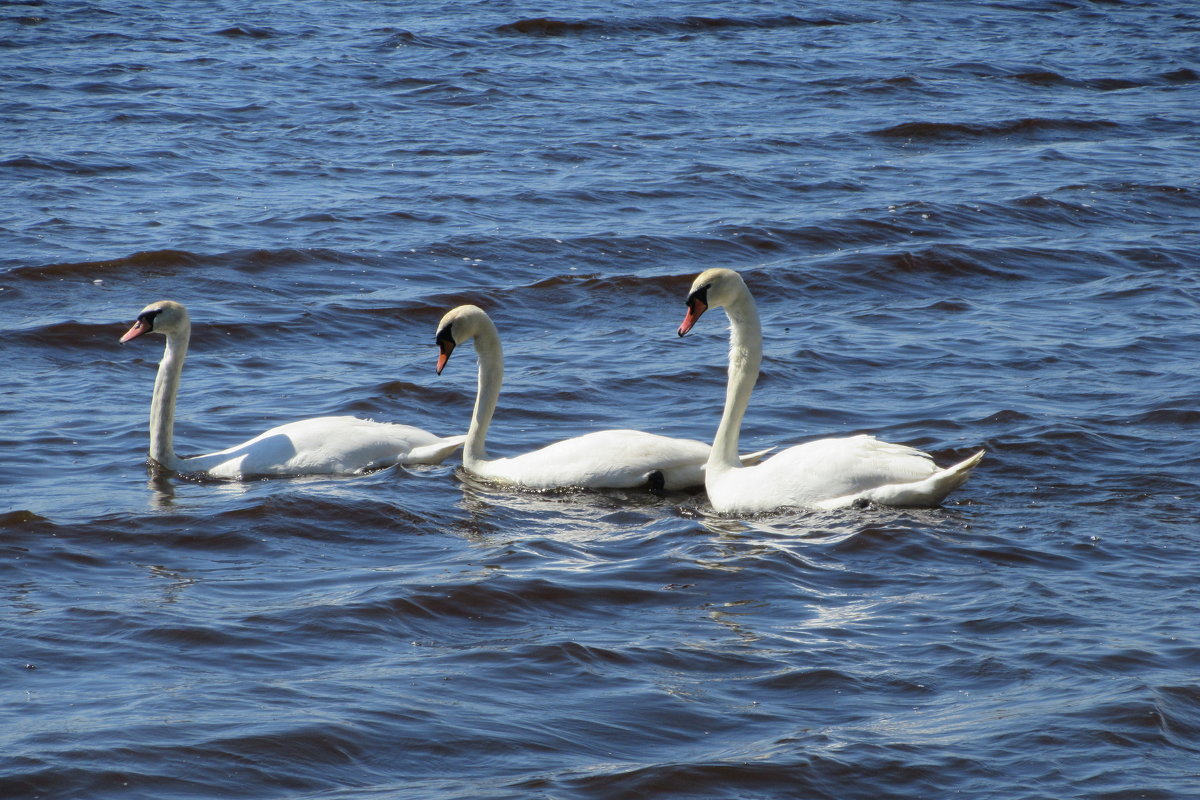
x: 967, y: 224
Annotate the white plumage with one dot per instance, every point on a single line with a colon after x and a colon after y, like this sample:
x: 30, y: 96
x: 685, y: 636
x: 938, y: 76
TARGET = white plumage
x: 339, y: 445
x: 611, y: 459
x: 828, y: 473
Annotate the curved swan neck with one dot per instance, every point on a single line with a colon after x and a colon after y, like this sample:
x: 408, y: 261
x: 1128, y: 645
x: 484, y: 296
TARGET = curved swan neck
x: 162, y: 404
x: 745, y: 357
x: 491, y: 376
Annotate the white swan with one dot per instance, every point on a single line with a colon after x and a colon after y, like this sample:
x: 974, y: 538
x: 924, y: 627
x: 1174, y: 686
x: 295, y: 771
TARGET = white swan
x: 612, y: 459
x: 829, y: 473
x: 318, y: 446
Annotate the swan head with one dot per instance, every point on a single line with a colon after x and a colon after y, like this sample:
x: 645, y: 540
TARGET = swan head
x: 711, y: 289
x: 459, y: 325
x: 166, y: 317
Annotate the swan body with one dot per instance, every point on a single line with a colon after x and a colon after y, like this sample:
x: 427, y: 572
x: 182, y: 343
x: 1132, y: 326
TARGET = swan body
x: 338, y: 445
x: 824, y: 474
x: 611, y: 459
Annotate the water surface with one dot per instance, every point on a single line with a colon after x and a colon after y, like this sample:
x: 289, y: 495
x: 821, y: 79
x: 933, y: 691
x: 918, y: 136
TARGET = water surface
x: 966, y: 224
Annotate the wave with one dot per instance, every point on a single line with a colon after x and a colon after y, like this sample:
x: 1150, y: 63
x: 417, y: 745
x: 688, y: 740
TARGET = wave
x: 1026, y: 126
x: 66, y: 166
x: 402, y: 38
x: 1039, y: 75
x: 423, y: 610
x: 170, y: 261
x: 145, y: 261
x: 243, y: 31
x: 547, y: 26
x: 799, y: 765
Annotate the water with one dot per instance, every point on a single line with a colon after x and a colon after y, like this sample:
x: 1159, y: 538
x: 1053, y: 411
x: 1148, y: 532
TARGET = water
x: 966, y: 224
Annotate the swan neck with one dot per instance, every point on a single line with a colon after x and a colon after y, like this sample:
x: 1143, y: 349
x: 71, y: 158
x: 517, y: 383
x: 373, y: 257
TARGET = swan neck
x: 745, y: 357
x: 162, y: 404
x: 491, y: 376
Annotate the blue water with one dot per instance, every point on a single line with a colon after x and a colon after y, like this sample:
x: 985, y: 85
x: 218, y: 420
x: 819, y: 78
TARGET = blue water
x: 966, y: 224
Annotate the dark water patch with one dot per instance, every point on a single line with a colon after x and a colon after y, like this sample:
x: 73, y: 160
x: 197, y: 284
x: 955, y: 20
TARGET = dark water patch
x: 397, y: 39
x: 1182, y: 75
x: 119, y: 87
x: 198, y: 639
x: 791, y: 770
x: 1158, y: 258
x: 899, y: 541
x: 1185, y: 194
x: 1174, y: 417
x: 382, y: 398
x: 820, y: 681
x: 1038, y: 77
x: 122, y: 531
x: 65, y: 336
x: 1060, y: 210
x: 586, y: 659
x: 244, y: 31
x: 1038, y: 6
x: 319, y: 518
x: 1042, y: 78
x: 499, y: 601
x: 162, y: 262
x: 942, y: 262
x: 255, y: 262
x: 432, y: 218
x: 1180, y: 709
x: 82, y: 166
x: 1027, y: 127
x: 546, y: 26
x: 1126, y: 719
x: 720, y: 246
x: 41, y: 780
x: 159, y: 117
x: 27, y: 20
x: 108, y: 37
x: 1113, y: 84
x: 20, y: 517
x: 251, y: 756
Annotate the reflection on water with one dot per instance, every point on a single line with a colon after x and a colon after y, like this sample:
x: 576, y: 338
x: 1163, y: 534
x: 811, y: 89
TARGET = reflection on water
x: 177, y: 581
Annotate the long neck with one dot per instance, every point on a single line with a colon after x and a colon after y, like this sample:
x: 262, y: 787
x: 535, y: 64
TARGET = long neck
x: 745, y: 356
x: 491, y: 376
x: 162, y: 404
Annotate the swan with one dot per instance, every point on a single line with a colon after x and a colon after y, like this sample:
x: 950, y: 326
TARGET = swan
x: 612, y: 459
x: 317, y: 446
x: 824, y: 474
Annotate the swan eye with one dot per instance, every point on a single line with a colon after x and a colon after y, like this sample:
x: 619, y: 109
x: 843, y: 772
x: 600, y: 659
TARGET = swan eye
x: 147, y: 318
x: 446, y: 337
x: 700, y: 294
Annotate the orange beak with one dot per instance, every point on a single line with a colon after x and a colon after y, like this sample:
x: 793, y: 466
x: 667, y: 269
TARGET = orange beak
x: 137, y: 330
x: 446, y: 346
x: 696, y: 307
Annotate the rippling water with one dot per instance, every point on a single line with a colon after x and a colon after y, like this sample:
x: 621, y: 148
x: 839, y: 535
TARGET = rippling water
x: 966, y: 224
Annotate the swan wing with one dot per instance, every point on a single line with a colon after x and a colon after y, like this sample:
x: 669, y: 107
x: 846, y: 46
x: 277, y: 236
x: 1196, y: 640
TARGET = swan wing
x: 824, y: 473
x: 340, y: 445
x: 613, y: 459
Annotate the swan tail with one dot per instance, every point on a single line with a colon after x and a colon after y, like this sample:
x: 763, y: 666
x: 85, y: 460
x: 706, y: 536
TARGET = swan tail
x: 434, y: 453
x: 750, y: 459
x: 924, y: 493
x: 928, y: 492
